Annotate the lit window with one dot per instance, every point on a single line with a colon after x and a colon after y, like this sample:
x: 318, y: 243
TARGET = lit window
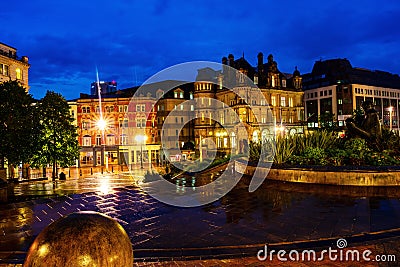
x: 124, y: 139
x: 181, y: 107
x: 283, y: 101
x: 191, y: 107
x: 4, y: 69
x: 98, y: 140
x: 290, y: 101
x: 18, y: 73
x: 175, y: 94
x: 191, y: 95
x: 273, y: 101
x: 181, y: 95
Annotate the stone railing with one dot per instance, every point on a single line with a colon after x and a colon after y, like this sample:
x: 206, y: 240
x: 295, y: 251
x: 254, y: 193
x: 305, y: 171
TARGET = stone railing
x: 331, y: 177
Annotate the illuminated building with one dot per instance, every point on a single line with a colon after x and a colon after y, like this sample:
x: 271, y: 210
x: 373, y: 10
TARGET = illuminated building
x: 283, y: 96
x: 335, y: 87
x: 13, y: 67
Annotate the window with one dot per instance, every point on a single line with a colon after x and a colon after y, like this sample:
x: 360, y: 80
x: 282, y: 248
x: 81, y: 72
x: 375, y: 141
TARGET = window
x: 140, y: 122
x: 181, y: 95
x: 283, y: 101
x: 140, y: 108
x: 109, y: 109
x: 340, y: 101
x: 290, y: 101
x: 124, y: 139
x: 283, y: 83
x: 18, y: 73
x: 123, y: 123
x: 191, y: 108
x: 87, y: 140
x: 273, y: 101
x: 181, y: 106
x: 98, y: 140
x: 123, y: 108
x: 85, y: 109
x: 110, y: 139
x: 4, y: 69
x: 85, y: 125
x: 191, y: 95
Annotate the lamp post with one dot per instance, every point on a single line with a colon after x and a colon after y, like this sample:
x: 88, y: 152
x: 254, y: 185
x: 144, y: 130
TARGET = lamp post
x: 141, y: 139
x: 102, y: 125
x: 390, y: 118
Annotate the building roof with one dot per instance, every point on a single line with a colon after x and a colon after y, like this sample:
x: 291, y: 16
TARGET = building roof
x: 334, y: 71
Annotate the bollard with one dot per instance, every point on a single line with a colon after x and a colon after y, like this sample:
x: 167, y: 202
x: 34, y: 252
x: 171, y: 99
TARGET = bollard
x: 101, y: 170
x: 69, y: 173
x: 80, y: 172
x: 91, y: 171
x: 112, y: 168
x: 81, y: 239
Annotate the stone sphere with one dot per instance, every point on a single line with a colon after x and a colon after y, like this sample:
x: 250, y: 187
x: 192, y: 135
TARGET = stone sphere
x: 81, y: 239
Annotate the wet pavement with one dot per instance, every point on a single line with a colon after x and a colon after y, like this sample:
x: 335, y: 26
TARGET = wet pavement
x: 229, y: 231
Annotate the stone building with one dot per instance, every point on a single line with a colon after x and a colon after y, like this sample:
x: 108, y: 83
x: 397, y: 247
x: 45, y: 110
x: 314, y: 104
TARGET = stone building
x: 280, y: 112
x: 13, y: 67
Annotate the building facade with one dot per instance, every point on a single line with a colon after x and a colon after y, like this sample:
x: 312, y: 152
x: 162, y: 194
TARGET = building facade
x: 280, y: 112
x: 336, y: 87
x: 117, y: 142
x: 13, y: 67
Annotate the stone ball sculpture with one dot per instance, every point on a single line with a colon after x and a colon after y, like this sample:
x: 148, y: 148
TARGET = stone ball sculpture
x: 81, y: 239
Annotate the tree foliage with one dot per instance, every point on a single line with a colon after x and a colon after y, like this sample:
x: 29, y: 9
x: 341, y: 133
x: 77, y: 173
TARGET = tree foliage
x: 58, y: 142
x: 19, y: 126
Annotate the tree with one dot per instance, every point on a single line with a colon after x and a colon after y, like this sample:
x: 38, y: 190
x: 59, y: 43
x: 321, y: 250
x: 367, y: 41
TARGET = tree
x: 328, y: 122
x: 19, y: 127
x: 58, y: 142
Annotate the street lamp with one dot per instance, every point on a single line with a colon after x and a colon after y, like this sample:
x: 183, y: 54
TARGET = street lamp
x: 141, y: 139
x: 390, y: 118
x: 102, y: 125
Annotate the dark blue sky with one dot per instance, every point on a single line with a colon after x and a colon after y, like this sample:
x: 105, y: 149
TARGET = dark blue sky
x: 129, y: 41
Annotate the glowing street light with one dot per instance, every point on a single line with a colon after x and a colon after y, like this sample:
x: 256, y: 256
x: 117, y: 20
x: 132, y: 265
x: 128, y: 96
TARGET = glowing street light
x: 141, y: 139
x: 390, y: 117
x: 101, y: 124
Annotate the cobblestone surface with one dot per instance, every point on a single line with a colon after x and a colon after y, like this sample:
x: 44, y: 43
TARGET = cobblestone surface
x: 239, y: 224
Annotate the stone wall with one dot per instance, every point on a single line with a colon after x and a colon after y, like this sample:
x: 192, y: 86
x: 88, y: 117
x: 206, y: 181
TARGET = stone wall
x: 355, y: 178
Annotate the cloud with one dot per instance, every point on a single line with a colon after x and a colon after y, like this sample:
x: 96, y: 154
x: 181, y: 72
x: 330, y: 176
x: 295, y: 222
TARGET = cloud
x: 129, y: 41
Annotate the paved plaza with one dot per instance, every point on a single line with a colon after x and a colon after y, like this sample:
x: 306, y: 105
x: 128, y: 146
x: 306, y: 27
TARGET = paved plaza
x: 228, y: 232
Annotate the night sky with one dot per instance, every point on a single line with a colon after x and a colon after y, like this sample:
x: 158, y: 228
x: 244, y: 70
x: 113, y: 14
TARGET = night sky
x: 130, y: 41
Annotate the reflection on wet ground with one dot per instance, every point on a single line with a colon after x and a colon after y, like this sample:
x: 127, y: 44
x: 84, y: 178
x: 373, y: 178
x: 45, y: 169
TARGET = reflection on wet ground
x: 276, y: 212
